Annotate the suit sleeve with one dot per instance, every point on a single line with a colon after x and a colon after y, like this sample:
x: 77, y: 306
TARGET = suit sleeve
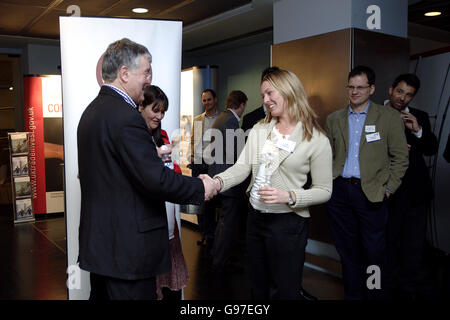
x: 427, y: 144
x: 139, y: 158
x: 397, y: 152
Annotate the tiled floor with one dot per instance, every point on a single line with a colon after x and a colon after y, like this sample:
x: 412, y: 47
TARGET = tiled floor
x: 33, y: 255
x: 33, y: 267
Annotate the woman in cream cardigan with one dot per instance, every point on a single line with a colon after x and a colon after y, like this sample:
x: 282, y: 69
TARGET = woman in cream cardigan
x: 280, y: 152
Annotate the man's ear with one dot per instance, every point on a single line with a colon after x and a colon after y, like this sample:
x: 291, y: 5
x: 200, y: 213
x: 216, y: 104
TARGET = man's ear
x: 124, y: 74
x: 391, y: 90
x: 372, y: 89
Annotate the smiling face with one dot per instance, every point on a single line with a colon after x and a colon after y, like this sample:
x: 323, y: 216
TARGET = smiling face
x: 359, y: 91
x: 209, y: 102
x: 138, y: 79
x: 273, y: 100
x: 401, y: 95
x: 152, y: 114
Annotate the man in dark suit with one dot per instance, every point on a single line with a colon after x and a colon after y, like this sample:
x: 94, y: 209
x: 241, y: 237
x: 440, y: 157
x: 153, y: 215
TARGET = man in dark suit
x: 408, y: 207
x: 370, y: 157
x: 228, y: 142
x: 123, y: 230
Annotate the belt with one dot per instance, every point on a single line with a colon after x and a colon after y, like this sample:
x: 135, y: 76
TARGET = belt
x: 351, y: 180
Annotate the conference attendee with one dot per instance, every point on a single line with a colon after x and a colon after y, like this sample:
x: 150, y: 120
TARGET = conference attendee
x: 233, y: 201
x: 279, y: 153
x: 123, y: 240
x: 169, y: 284
x: 370, y: 157
x: 408, y: 207
x: 251, y: 118
x: 200, y: 139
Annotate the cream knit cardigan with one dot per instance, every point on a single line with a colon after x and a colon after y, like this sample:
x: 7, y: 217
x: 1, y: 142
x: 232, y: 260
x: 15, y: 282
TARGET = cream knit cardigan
x: 313, y: 156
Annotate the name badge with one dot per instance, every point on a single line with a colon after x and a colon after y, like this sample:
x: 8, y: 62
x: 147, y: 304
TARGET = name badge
x: 286, y: 145
x: 373, y: 137
x: 370, y: 128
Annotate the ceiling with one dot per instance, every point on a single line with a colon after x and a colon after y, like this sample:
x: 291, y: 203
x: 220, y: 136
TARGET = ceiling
x: 205, y: 22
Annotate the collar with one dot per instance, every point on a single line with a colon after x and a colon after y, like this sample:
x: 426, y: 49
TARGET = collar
x: 387, y: 101
x: 123, y: 94
x: 350, y: 110
x: 234, y: 113
x: 214, y: 116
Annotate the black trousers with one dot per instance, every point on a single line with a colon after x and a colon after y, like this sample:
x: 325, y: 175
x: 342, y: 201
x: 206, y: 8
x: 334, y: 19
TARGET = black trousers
x: 227, y: 231
x: 276, y: 245
x: 358, y: 227
x: 407, y: 227
x: 107, y: 288
x: 207, y: 220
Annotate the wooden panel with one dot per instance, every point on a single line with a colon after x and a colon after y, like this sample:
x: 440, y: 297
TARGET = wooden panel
x: 322, y: 64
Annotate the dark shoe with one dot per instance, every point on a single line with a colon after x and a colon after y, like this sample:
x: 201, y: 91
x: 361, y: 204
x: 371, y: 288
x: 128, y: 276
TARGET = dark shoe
x: 306, y: 296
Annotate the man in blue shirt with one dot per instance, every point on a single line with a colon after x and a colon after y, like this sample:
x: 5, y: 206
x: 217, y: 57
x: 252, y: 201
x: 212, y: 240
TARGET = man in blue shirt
x: 370, y: 157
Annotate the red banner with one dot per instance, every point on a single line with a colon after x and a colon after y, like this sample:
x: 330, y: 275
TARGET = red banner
x: 34, y: 123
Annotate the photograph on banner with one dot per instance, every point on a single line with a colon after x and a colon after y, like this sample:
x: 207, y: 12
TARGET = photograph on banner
x: 22, y: 187
x: 19, y: 166
x: 24, y: 209
x: 19, y: 143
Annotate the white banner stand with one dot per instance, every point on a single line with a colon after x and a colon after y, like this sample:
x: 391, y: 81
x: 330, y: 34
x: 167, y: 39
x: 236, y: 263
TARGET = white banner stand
x: 83, y: 41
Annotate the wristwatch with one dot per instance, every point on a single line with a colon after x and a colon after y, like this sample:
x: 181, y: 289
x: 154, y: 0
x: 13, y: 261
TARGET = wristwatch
x: 291, y: 200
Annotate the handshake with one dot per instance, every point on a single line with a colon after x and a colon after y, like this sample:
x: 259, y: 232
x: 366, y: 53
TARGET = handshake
x: 212, y: 186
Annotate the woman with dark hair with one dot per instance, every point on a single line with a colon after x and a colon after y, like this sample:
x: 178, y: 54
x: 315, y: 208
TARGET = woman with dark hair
x: 153, y: 109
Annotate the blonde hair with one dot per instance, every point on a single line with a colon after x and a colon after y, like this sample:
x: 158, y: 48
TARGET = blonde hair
x: 291, y: 89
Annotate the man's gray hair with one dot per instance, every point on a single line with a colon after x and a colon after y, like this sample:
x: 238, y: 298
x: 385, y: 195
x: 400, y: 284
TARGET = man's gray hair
x: 123, y: 52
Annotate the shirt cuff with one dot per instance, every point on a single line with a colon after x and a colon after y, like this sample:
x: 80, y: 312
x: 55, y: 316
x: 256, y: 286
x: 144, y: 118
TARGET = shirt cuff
x: 418, y: 134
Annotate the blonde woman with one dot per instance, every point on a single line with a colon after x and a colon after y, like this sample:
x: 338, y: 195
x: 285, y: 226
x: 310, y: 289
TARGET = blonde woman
x: 280, y: 152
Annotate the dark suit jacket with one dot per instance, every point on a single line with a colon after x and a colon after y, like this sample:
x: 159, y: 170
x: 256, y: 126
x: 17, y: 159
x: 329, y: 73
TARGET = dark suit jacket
x: 124, y: 185
x: 251, y: 118
x: 227, y: 152
x: 417, y: 182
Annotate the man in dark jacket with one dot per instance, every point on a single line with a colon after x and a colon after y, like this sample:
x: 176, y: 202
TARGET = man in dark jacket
x: 228, y: 143
x: 123, y: 238
x: 408, y: 207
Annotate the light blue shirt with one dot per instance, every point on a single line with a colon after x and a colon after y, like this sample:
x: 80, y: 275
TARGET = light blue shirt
x: 355, y: 128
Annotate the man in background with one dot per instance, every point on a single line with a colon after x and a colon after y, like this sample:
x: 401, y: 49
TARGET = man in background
x: 234, y: 201
x: 200, y: 139
x: 409, y: 206
x: 370, y: 157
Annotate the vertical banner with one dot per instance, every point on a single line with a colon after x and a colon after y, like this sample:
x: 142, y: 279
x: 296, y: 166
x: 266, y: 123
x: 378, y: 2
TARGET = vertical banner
x: 83, y: 42
x: 43, y: 120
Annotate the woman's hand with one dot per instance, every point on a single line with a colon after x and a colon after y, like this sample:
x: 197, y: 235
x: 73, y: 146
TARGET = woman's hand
x: 272, y: 195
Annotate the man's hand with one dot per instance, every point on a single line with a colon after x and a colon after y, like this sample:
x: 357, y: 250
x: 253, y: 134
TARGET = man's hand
x: 410, y: 121
x: 210, y: 186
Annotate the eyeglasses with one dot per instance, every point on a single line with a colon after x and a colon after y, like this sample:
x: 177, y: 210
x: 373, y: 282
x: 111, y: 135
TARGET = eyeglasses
x: 358, y: 88
x: 148, y: 75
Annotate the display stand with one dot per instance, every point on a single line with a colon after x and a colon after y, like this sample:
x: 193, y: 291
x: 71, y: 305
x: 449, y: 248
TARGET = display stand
x: 20, y: 173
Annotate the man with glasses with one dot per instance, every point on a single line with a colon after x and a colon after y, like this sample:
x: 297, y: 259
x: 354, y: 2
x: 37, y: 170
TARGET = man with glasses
x: 370, y: 157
